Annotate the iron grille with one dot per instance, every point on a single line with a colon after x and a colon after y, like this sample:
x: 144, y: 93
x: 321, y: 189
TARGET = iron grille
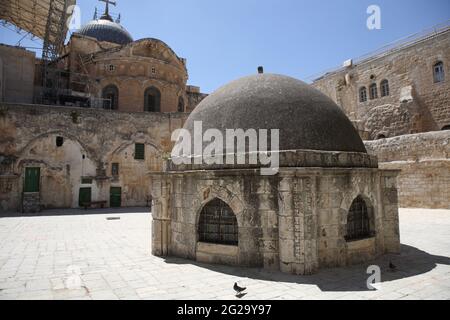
x: 358, y: 222
x: 139, y: 152
x: 218, y: 224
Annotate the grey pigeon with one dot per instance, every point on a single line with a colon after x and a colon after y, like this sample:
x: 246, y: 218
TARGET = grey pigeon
x: 392, y: 266
x: 238, y: 289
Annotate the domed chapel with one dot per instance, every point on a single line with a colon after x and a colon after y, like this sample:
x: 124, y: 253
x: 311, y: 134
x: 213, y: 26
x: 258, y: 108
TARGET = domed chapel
x: 328, y: 205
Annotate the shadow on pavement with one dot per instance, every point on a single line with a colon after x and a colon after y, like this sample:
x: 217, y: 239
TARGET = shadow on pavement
x: 76, y: 212
x: 409, y: 263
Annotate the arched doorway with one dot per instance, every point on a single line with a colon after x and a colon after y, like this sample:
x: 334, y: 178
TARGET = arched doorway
x: 110, y: 95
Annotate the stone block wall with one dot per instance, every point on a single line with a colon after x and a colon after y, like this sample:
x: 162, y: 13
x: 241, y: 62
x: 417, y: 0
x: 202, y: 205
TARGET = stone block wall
x: 424, y: 161
x: 415, y: 103
x: 295, y: 222
x: 17, y: 69
x: 93, y: 141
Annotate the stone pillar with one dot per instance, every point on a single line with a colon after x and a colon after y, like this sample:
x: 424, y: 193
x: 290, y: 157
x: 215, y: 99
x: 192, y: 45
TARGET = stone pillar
x: 161, y: 217
x: 269, y: 225
x: 297, y: 226
x: 389, y: 203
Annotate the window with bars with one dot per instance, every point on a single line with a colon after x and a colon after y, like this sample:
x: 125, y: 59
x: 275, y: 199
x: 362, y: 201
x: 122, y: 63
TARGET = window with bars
x: 218, y: 224
x: 139, y: 151
x: 363, y: 94
x: 359, y: 221
x: 385, y: 88
x: 438, y: 72
x: 373, y: 90
x: 115, y: 169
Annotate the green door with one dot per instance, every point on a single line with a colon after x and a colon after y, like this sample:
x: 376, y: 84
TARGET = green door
x: 32, y: 178
x: 85, y: 196
x: 116, y: 197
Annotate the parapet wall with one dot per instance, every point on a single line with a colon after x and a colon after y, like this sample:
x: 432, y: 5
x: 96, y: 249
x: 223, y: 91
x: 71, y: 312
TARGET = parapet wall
x: 424, y: 181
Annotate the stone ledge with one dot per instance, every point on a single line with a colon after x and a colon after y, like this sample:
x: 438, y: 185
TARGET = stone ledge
x: 217, y: 253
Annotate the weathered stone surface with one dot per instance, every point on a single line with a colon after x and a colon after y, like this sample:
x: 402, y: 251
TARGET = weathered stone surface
x: 424, y: 180
x: 92, y: 141
x: 307, y: 119
x: 286, y: 230
x: 415, y: 102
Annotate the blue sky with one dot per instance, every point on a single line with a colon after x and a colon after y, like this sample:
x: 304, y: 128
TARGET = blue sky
x: 224, y: 40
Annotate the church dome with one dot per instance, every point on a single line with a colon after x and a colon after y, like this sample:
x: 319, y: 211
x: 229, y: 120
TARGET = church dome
x: 105, y: 29
x: 306, y: 118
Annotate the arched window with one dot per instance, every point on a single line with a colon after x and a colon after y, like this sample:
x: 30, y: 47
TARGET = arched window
x: 152, y: 98
x: 359, y: 224
x: 445, y: 128
x: 181, y: 104
x: 438, y: 72
x: 110, y: 95
x: 363, y: 94
x: 373, y: 91
x: 384, y: 88
x: 218, y: 224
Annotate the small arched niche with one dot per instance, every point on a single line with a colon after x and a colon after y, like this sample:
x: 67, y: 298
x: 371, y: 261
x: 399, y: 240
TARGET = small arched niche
x: 218, y: 224
x: 218, y: 234
x: 360, y: 220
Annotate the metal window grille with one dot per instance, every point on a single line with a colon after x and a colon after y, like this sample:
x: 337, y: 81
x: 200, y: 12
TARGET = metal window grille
x: 438, y: 72
x: 385, y: 88
x: 115, y: 169
x: 373, y: 91
x: 218, y: 224
x: 139, y: 152
x: 358, y: 222
x: 363, y: 94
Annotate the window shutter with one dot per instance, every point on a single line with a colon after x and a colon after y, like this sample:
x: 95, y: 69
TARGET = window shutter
x: 139, y: 153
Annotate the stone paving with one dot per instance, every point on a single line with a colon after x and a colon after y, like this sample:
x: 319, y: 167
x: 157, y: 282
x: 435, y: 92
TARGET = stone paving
x: 75, y: 254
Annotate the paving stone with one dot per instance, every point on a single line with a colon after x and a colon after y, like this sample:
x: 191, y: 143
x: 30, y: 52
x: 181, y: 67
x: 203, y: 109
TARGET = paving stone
x: 113, y: 261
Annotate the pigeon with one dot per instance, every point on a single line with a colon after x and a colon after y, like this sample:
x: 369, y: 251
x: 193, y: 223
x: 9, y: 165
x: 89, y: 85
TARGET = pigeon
x: 392, y: 266
x: 238, y: 289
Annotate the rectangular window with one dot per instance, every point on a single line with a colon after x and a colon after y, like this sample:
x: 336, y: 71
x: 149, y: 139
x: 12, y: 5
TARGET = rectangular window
x: 86, y: 180
x: 139, y: 151
x: 439, y: 72
x: 115, y: 169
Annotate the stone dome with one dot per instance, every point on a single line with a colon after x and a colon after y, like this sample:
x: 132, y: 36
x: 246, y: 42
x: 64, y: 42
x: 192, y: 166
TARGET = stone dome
x: 307, y: 119
x: 105, y: 29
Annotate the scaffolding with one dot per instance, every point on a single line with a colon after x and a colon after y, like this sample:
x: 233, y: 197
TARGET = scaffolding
x: 47, y: 20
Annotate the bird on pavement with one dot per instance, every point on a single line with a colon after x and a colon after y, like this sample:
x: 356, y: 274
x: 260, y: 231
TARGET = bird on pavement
x: 392, y: 266
x: 238, y: 289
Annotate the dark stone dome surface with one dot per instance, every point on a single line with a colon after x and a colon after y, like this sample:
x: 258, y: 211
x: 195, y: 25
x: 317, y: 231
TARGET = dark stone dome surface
x: 307, y: 119
x: 106, y: 30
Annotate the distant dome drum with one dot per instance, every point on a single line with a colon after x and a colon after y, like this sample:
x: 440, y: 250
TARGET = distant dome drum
x: 105, y: 29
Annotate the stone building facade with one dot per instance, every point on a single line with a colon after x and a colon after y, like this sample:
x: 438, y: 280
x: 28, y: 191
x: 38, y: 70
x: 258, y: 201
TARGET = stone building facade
x: 423, y: 160
x: 329, y: 204
x: 142, y: 76
x: 17, y: 69
x: 79, y: 150
x: 403, y: 90
x: 101, y: 67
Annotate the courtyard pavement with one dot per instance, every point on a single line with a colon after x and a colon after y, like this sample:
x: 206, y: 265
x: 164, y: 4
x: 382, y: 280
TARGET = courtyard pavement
x: 74, y: 254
